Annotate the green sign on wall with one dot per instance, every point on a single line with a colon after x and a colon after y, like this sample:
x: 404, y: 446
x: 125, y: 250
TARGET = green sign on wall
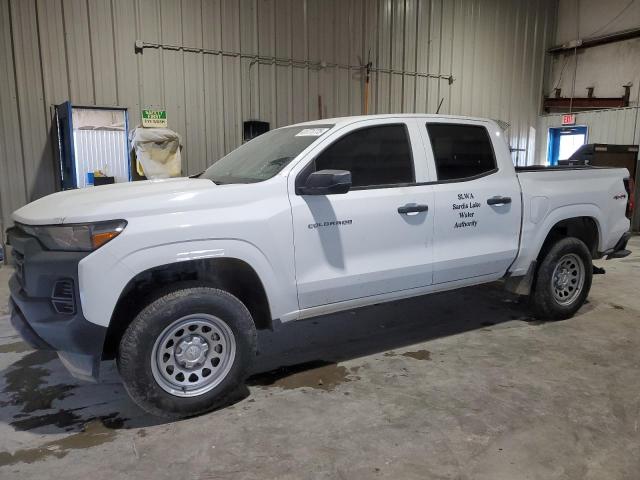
x: 154, y: 118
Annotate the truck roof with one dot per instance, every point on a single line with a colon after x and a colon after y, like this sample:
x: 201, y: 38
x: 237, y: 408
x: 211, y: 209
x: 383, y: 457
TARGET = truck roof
x: 358, y: 118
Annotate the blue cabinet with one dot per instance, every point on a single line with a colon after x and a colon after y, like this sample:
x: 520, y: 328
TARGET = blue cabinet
x: 91, y: 139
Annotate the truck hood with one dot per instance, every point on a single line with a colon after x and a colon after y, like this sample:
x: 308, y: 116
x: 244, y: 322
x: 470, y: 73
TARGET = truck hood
x: 109, y: 202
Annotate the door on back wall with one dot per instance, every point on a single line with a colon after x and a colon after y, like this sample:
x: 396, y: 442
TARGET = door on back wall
x: 564, y: 141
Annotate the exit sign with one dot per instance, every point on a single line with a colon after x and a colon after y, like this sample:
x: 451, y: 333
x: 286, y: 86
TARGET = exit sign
x: 569, y: 119
x: 154, y: 118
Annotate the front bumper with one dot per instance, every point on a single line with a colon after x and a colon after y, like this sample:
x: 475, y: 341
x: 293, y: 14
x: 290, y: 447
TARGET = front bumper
x: 78, y: 342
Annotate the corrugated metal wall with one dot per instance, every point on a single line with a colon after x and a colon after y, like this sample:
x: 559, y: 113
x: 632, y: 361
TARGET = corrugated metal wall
x: 83, y: 50
x: 104, y: 150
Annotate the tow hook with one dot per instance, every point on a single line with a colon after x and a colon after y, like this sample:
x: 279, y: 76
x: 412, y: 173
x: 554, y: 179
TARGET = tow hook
x: 598, y: 270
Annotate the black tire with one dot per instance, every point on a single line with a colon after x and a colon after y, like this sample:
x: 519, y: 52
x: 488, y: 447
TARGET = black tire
x: 135, y: 355
x: 543, y: 301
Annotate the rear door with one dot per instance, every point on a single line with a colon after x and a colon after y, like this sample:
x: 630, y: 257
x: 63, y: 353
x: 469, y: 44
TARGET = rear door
x: 360, y: 244
x: 477, y: 200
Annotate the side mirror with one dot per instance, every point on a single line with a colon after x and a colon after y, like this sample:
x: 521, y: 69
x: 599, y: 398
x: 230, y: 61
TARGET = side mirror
x: 326, y: 182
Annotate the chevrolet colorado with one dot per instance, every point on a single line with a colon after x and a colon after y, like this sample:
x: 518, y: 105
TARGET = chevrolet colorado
x: 172, y: 278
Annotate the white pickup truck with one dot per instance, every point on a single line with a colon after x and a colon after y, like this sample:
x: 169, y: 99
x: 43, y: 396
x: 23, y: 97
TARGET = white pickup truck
x: 174, y: 277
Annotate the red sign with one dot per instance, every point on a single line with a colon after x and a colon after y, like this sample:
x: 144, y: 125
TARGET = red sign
x: 569, y: 119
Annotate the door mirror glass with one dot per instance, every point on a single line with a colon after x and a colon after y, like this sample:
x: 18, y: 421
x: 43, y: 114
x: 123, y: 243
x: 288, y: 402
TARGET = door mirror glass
x: 326, y: 182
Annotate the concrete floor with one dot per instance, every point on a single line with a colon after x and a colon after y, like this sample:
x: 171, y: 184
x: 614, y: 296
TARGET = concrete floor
x: 462, y: 385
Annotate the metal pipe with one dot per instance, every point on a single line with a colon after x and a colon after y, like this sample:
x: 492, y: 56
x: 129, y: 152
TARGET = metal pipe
x: 281, y: 61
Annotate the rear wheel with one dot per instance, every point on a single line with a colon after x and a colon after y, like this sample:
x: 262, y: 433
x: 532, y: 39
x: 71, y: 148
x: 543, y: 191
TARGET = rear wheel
x: 187, y: 352
x: 563, y: 280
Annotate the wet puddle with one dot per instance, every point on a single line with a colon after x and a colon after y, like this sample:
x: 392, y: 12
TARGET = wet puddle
x: 26, y: 385
x: 63, y: 419
x: 94, y: 433
x: 319, y: 375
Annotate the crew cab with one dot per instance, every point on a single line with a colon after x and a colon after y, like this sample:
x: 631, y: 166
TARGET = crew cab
x: 173, y: 277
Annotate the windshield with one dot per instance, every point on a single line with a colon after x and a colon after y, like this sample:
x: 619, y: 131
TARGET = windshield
x: 264, y: 156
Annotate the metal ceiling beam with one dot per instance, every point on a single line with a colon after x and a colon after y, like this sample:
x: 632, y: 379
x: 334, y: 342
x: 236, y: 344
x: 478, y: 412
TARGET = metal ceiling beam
x: 563, y: 104
x: 595, y: 41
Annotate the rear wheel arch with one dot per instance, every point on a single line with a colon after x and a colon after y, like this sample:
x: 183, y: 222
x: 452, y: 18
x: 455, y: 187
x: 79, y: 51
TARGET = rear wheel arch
x: 586, y: 229
x: 563, y: 273
x: 232, y: 275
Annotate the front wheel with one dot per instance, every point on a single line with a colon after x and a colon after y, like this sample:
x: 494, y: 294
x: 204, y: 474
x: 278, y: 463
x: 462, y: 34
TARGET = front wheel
x: 563, y: 280
x: 187, y: 352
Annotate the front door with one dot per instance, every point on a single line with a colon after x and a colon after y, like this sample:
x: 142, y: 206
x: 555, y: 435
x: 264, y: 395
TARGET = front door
x: 364, y: 243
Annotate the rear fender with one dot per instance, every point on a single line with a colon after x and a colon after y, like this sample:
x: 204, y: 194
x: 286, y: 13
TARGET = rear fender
x: 535, y: 234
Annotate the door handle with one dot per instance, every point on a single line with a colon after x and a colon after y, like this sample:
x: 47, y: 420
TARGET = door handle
x: 497, y: 201
x: 412, y: 208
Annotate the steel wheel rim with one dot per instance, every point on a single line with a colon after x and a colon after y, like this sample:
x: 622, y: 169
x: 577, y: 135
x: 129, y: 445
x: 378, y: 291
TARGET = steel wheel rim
x: 193, y: 355
x: 568, y: 278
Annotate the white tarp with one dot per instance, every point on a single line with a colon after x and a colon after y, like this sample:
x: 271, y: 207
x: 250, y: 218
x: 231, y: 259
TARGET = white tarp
x: 157, y: 152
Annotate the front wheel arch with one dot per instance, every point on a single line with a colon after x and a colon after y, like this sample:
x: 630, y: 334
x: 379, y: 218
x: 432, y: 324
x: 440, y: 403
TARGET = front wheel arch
x: 228, y: 274
x: 138, y: 348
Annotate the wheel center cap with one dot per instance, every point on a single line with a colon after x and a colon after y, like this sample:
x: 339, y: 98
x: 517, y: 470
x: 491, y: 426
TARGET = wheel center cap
x: 191, y: 351
x: 562, y: 279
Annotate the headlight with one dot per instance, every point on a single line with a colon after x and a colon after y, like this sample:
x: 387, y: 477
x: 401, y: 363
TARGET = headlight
x: 80, y: 237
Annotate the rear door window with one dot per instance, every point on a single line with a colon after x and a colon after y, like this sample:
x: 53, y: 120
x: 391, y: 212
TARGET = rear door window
x: 461, y: 151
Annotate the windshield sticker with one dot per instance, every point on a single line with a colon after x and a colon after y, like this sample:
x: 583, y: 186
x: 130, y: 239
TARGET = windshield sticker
x: 311, y: 132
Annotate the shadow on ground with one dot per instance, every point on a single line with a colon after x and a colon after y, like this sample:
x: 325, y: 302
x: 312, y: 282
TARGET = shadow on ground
x: 39, y: 396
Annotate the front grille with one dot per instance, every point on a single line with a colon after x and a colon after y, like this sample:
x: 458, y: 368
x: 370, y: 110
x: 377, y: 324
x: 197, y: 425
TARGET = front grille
x: 63, y: 297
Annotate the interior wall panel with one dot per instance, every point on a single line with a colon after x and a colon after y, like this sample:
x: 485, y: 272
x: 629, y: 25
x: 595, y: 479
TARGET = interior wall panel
x: 32, y: 111
x: 13, y: 192
x: 194, y: 137
x: 53, y: 53
x: 76, y: 27
x: 249, y: 69
x: 213, y: 95
x: 313, y: 55
x: 102, y: 51
x: 174, y: 68
x: 299, y: 49
x: 230, y: 27
x: 84, y: 50
x: 126, y: 66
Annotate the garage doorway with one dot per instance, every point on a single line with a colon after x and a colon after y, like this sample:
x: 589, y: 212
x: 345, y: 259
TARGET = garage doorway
x: 564, y: 141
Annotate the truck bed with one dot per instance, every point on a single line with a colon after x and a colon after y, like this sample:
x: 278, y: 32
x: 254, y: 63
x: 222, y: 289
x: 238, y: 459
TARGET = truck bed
x: 570, y: 192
